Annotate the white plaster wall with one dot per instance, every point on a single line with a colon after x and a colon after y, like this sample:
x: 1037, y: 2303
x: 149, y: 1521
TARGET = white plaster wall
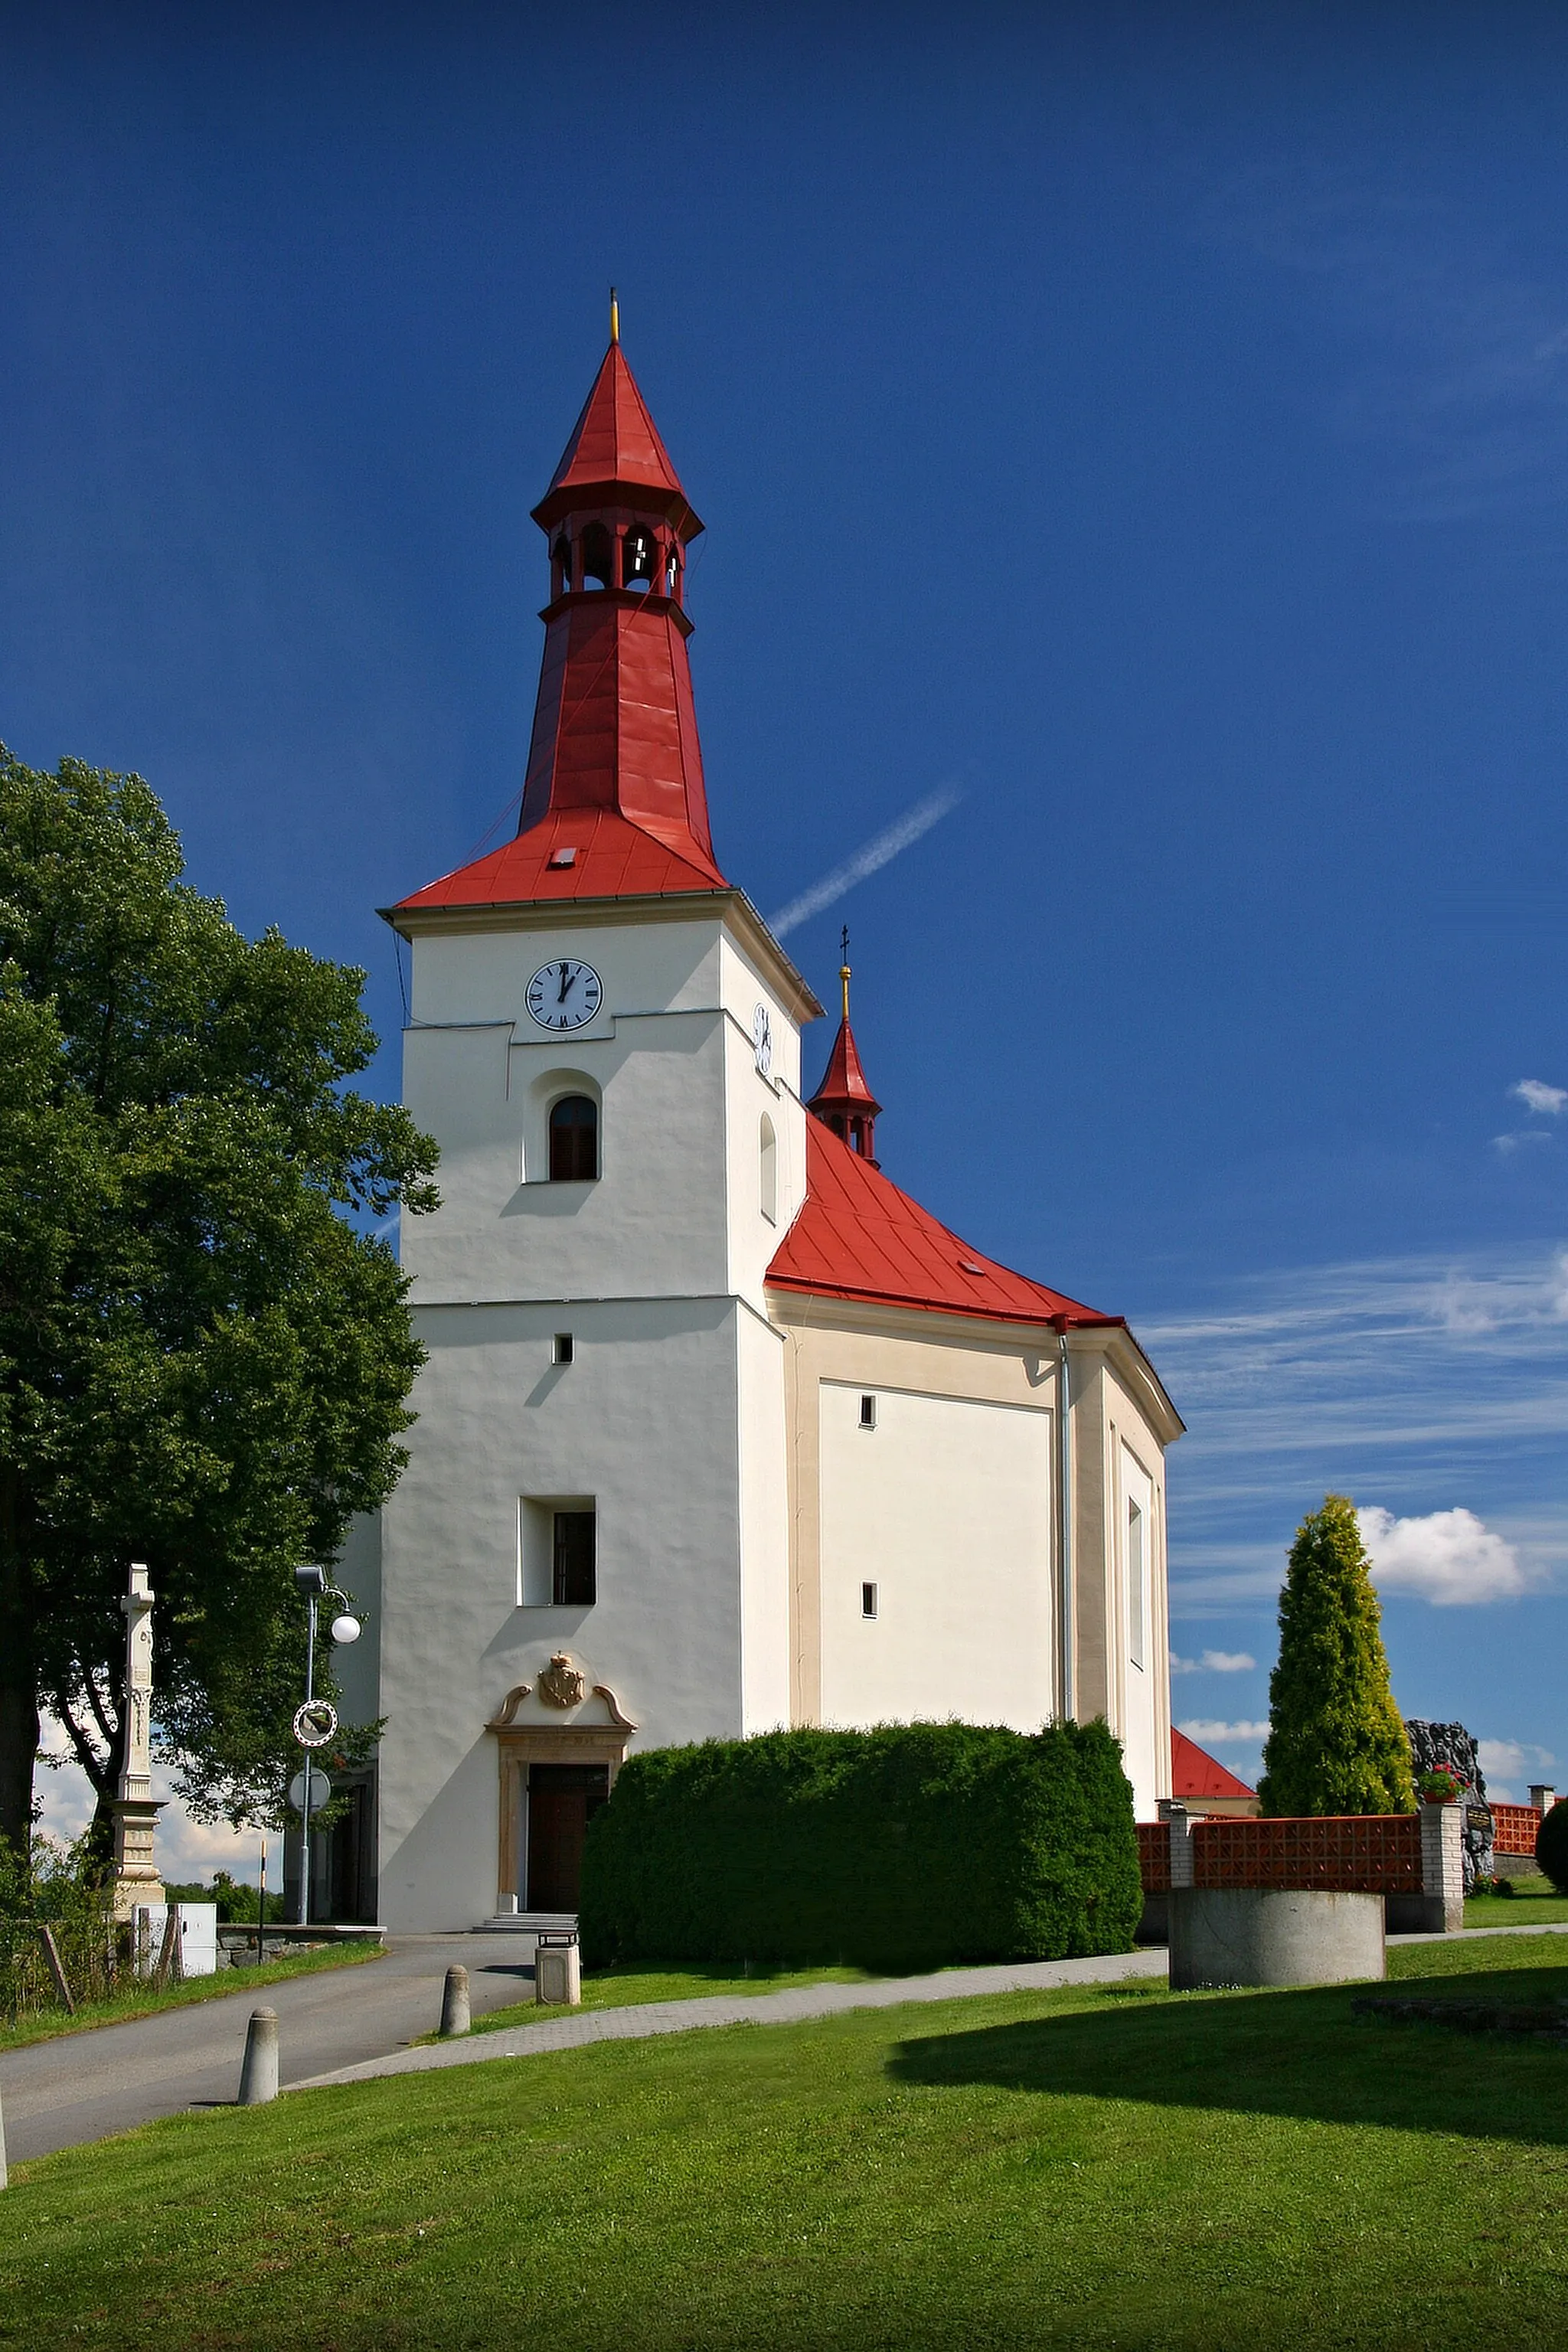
x: 1139, y: 1707
x: 946, y: 1505
x: 764, y: 1527
x: 357, y: 1669
x: 644, y: 1419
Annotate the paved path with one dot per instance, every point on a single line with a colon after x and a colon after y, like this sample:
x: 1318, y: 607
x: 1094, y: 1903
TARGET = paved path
x: 636, y: 2023
x: 84, y: 2086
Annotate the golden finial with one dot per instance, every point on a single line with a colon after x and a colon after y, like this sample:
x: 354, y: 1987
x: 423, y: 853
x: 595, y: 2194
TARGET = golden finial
x: 844, y: 967
x: 615, y: 317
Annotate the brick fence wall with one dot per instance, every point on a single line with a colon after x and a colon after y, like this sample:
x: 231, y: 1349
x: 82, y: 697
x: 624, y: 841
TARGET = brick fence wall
x: 1514, y: 1828
x: 1346, y: 1853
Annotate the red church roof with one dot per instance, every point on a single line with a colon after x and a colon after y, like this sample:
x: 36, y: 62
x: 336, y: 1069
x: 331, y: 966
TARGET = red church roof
x: 1195, y: 1774
x: 616, y: 445
x: 609, y: 858
x: 857, y: 1237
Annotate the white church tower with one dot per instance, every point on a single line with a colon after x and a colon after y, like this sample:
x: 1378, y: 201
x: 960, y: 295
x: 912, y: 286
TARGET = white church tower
x: 719, y: 1431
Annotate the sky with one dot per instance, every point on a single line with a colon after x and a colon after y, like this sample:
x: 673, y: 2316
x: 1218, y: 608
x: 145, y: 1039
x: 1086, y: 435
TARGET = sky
x: 1133, y: 443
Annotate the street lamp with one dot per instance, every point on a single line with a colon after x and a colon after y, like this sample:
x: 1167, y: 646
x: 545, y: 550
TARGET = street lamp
x: 317, y: 1719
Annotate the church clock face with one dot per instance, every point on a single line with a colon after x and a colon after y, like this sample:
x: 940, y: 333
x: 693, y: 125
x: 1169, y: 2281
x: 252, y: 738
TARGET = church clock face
x: 762, y: 1039
x: 564, y: 996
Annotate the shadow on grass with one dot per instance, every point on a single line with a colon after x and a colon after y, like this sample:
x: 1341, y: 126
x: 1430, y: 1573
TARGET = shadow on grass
x: 1297, y: 2053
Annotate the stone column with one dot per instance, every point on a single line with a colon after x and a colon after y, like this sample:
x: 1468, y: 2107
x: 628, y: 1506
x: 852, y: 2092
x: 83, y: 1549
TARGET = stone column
x: 1443, y: 1866
x: 136, y: 1879
x: 1542, y: 1796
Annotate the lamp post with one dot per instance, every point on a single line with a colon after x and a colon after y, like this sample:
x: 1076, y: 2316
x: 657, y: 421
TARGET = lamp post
x: 317, y: 1719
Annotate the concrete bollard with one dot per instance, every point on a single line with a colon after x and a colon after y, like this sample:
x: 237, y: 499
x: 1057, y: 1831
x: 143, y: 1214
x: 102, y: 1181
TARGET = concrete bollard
x: 455, y: 2015
x: 259, y: 2075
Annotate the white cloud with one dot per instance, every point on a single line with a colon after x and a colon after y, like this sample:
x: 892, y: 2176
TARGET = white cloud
x: 1448, y: 1557
x: 868, y: 860
x: 1509, y: 1144
x: 1210, y: 1734
x: 1214, y: 1662
x: 1517, y: 1757
x: 1550, y: 1101
x: 185, y: 1850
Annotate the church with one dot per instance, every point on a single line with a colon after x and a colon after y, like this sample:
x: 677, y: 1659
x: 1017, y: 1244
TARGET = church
x: 719, y: 1430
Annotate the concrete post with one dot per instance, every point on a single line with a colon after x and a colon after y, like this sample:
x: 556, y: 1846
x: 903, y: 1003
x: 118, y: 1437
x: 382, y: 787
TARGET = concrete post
x: 259, y: 2075
x: 1180, y: 1831
x: 1443, y: 1867
x: 454, y: 2016
x: 1542, y: 1796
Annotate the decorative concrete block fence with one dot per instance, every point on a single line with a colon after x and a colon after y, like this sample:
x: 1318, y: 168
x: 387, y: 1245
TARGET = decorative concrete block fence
x: 1230, y: 1895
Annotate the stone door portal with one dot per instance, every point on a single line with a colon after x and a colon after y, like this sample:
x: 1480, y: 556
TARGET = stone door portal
x: 561, y: 1800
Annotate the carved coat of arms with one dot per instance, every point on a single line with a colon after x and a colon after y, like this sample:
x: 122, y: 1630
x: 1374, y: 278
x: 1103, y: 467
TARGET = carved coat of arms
x: 560, y: 1685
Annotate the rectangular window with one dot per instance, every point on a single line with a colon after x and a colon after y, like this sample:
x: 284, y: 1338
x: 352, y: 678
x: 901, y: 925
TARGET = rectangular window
x: 867, y: 1413
x: 1135, y: 1583
x: 867, y: 1600
x: 563, y: 1347
x: 572, y: 1584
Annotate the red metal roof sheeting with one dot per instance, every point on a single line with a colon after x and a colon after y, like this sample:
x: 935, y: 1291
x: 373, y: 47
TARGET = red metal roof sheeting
x: 858, y: 1236
x: 1195, y: 1774
x: 614, y: 859
x: 615, y: 444
x: 614, y: 726
x: 844, y: 1081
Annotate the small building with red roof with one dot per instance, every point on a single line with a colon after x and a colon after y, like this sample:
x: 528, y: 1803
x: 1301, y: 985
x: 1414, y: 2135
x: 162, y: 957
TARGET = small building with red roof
x: 1204, y: 1784
x: 719, y: 1429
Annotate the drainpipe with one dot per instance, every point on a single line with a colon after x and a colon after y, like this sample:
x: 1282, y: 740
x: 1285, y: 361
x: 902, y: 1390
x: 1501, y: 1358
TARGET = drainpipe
x: 1064, y: 1522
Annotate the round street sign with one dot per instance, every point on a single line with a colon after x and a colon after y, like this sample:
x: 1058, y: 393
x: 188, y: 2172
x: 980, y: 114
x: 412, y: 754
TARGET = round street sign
x: 315, y: 1722
x: 320, y: 1789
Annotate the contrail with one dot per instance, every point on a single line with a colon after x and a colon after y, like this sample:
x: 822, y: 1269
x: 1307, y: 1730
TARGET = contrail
x: 877, y: 853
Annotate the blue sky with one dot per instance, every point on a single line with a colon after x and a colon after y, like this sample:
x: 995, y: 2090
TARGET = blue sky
x: 1141, y: 433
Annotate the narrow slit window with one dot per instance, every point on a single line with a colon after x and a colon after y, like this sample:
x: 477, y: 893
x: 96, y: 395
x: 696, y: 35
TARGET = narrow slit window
x: 867, y: 1600
x: 575, y: 1562
x: 563, y: 1347
x: 867, y: 1413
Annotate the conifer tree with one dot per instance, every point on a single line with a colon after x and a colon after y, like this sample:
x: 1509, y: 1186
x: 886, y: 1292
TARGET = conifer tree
x: 1336, y: 1742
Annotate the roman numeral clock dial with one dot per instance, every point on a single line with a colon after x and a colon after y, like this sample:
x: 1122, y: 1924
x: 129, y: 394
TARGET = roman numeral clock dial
x: 564, y: 996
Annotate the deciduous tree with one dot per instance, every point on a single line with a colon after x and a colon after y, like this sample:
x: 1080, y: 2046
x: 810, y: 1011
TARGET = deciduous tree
x: 205, y: 1353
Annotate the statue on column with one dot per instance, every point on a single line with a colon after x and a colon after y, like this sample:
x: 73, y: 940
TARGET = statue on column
x: 136, y: 1879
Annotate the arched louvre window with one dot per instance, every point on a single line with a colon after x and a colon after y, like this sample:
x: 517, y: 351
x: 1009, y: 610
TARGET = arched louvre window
x: 574, y: 1139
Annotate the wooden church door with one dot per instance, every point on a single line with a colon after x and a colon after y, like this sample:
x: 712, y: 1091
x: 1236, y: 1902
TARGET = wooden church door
x: 561, y: 1800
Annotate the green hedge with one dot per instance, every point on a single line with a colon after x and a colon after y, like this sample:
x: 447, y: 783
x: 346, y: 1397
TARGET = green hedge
x: 911, y: 1846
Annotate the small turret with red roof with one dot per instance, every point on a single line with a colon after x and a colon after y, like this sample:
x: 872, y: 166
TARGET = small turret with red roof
x: 843, y: 1101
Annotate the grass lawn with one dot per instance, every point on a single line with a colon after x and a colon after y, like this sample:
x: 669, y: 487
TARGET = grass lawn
x: 142, y: 2000
x: 1112, y: 2167
x: 1533, y: 1905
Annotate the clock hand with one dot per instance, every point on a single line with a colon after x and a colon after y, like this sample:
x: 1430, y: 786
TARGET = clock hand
x: 565, y: 982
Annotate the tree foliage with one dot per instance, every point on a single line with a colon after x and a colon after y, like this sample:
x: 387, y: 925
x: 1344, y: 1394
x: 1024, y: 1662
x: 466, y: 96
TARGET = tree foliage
x: 203, y: 1362
x: 1336, y: 1743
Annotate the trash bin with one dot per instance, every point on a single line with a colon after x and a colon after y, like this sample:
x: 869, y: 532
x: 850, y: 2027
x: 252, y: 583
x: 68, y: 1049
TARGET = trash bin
x: 557, y: 1970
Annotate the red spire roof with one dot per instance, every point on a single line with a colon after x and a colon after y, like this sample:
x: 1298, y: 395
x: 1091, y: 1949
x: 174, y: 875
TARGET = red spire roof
x: 843, y: 1086
x: 616, y: 445
x: 1195, y: 1774
x: 857, y: 1237
x: 614, y: 804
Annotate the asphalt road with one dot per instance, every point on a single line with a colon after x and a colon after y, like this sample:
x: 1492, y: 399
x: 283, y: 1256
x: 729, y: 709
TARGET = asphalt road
x: 85, y: 2086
